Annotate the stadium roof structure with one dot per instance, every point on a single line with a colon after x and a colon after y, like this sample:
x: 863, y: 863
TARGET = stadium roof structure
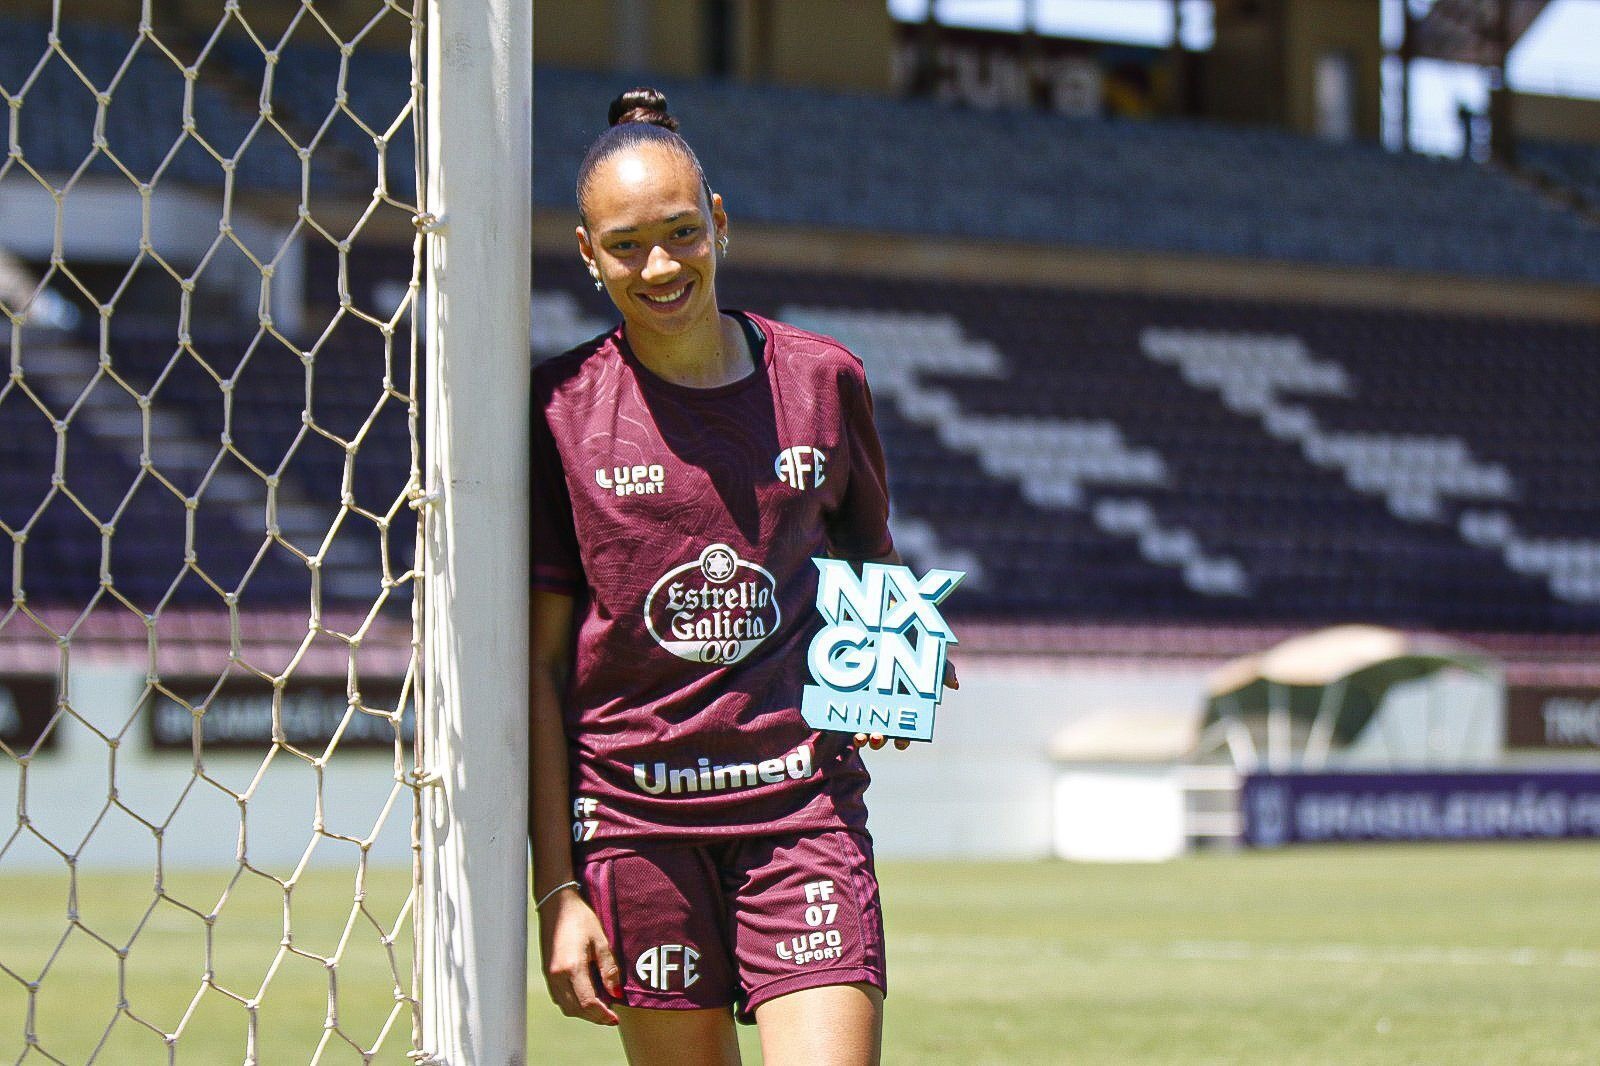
x: 1324, y: 687
x: 1147, y: 735
x: 1480, y: 32
x: 1340, y: 653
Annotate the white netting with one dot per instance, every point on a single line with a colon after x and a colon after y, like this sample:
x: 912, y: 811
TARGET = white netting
x: 208, y: 484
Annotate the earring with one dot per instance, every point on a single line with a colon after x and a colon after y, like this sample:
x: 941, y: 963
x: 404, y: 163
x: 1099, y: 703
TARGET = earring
x: 598, y: 284
x: 722, y: 245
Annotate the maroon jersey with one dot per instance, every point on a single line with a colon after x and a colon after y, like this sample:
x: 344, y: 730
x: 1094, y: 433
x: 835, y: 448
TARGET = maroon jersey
x: 683, y: 521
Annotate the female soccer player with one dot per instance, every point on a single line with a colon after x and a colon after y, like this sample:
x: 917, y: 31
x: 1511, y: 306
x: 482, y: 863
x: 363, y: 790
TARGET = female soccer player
x: 697, y: 847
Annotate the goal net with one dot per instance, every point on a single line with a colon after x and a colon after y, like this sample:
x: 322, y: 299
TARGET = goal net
x: 220, y: 819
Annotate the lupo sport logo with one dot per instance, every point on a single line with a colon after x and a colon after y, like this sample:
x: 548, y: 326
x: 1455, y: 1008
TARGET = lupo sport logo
x: 716, y: 609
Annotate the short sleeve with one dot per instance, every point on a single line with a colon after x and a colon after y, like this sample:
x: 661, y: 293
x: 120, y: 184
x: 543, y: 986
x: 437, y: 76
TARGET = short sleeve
x: 554, y: 563
x: 859, y: 527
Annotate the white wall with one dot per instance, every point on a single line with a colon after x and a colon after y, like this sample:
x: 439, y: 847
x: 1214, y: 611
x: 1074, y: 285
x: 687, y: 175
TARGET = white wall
x: 982, y: 788
x: 69, y: 790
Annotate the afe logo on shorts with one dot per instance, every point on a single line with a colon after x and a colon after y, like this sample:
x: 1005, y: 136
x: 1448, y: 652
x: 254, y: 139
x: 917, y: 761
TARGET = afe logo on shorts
x: 660, y: 965
x: 715, y: 610
x: 801, y: 467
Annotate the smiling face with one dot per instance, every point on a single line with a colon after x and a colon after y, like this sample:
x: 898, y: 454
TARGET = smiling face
x: 651, y: 235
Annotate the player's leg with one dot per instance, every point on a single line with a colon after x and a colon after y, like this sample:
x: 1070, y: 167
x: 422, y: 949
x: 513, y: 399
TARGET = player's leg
x: 654, y: 1037
x: 808, y: 938
x: 662, y: 909
x: 833, y: 1025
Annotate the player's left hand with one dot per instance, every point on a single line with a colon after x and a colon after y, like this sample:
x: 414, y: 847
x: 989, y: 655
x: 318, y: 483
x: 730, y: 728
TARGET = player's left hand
x: 876, y: 740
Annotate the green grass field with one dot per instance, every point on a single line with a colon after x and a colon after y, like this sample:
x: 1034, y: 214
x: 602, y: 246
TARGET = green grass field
x: 1459, y: 955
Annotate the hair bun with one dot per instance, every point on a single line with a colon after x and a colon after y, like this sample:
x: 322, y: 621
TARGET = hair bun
x: 642, y: 105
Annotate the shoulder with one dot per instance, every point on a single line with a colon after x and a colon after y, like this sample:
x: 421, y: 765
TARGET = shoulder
x: 578, y: 370
x: 802, y: 352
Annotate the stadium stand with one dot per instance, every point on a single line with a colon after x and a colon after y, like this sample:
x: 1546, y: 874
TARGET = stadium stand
x: 191, y: 386
x: 911, y: 167
x: 1088, y: 456
x: 926, y: 168
x: 144, y: 93
x: 235, y: 125
x: 1109, y: 457
x: 142, y: 87
x: 1573, y: 167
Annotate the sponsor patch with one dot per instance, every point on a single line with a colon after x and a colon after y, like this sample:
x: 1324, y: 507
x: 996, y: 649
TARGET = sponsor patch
x: 643, y: 480
x: 714, y: 610
x: 801, y: 467
x: 703, y: 776
x: 819, y: 945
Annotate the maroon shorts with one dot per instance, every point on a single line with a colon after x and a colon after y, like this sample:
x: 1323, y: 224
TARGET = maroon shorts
x: 738, y: 923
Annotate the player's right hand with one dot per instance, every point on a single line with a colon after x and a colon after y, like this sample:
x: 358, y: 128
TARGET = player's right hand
x: 574, y: 949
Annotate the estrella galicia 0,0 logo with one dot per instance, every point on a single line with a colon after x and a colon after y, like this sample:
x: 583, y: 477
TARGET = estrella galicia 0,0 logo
x: 715, y: 609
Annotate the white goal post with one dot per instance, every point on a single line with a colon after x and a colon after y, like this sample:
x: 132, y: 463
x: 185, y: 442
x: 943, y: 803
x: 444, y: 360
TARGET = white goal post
x: 472, y: 919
